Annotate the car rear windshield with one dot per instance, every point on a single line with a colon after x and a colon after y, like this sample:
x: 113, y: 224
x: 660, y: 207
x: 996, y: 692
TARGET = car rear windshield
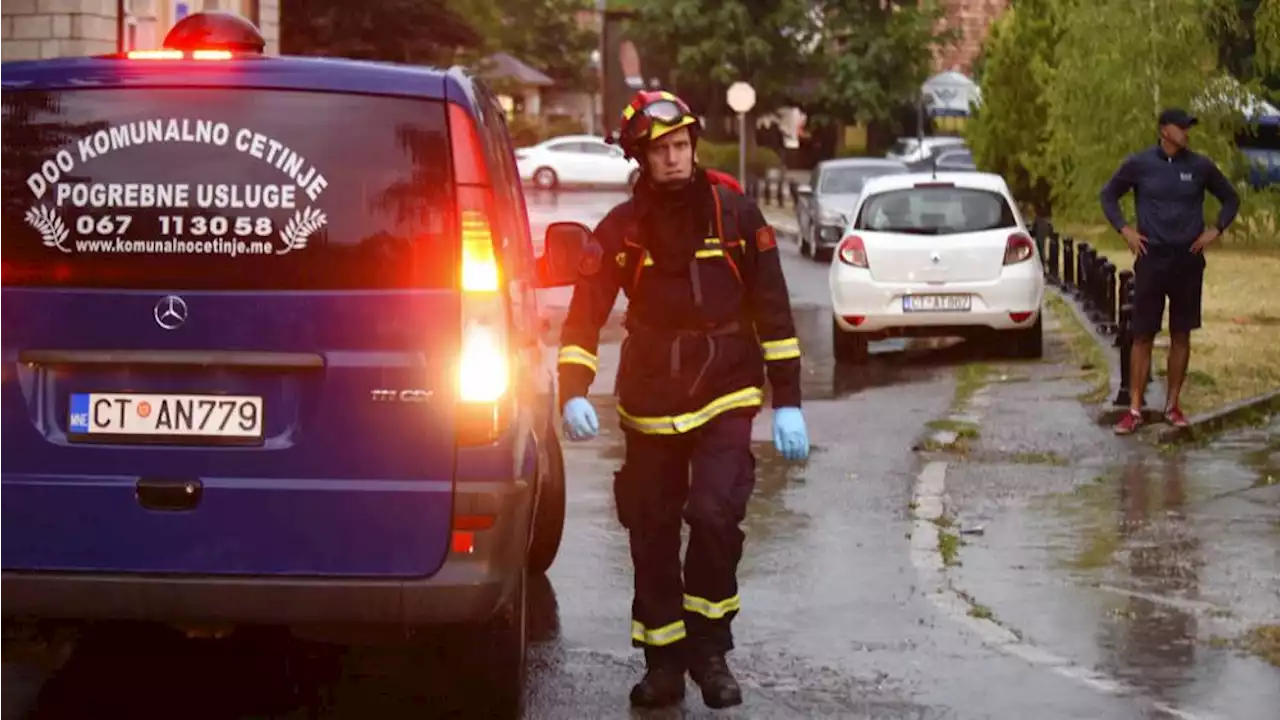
x: 850, y: 180
x: 226, y: 189
x: 935, y: 210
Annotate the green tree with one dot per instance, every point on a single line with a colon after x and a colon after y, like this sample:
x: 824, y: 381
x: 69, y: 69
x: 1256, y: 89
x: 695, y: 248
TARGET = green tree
x: 1267, y: 40
x: 874, y: 57
x: 424, y: 32
x: 545, y: 34
x: 1115, y: 64
x: 701, y: 46
x: 1009, y: 131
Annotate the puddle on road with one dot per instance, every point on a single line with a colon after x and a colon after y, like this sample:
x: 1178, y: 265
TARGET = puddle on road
x: 1183, y: 551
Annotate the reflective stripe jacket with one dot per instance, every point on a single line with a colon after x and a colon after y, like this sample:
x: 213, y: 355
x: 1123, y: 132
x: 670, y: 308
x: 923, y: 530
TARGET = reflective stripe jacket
x: 701, y: 337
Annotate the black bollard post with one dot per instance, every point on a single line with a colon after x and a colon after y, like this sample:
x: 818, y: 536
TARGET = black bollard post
x: 1055, y: 275
x: 1069, y: 264
x: 1107, y: 296
x: 1124, y: 338
x: 1096, y: 275
x: 1040, y: 232
x: 1082, y: 273
x: 793, y: 189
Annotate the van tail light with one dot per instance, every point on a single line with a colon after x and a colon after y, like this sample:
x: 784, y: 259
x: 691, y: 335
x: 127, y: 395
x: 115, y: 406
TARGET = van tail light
x: 154, y: 55
x: 484, y: 356
x: 465, y: 527
x: 167, y: 54
x: 853, y: 252
x: 1019, y: 248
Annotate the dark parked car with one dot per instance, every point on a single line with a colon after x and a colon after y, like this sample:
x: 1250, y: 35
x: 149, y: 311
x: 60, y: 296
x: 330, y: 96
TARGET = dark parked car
x: 955, y: 160
x: 825, y: 203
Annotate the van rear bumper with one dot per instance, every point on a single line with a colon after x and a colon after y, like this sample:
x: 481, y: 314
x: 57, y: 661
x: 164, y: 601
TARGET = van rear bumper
x: 468, y: 588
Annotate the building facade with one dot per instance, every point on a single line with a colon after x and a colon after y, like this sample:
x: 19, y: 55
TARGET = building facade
x: 972, y: 20
x: 34, y: 29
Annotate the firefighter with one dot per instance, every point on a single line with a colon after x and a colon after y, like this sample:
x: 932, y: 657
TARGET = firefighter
x: 708, y: 318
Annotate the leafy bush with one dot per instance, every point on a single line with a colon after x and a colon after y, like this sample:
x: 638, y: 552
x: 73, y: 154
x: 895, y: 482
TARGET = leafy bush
x: 724, y: 157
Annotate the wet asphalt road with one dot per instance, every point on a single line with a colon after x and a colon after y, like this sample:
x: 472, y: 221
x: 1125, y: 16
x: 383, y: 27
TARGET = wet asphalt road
x: 1027, y: 564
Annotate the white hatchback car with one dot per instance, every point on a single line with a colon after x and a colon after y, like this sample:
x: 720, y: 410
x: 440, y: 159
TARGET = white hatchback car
x: 936, y: 255
x: 575, y: 160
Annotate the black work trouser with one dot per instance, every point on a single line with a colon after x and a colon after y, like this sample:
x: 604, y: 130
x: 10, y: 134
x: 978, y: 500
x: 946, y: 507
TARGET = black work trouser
x: 706, y: 477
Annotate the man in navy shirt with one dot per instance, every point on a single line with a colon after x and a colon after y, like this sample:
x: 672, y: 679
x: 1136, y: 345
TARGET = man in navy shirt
x: 1169, y: 182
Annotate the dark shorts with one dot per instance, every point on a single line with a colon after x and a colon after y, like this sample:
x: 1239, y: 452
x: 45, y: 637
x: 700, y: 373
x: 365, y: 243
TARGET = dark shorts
x: 1176, y: 274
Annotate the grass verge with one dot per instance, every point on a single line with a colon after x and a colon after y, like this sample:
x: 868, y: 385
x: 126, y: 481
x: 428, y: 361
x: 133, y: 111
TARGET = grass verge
x: 1231, y: 356
x: 948, y: 547
x: 1038, y: 458
x: 970, y: 379
x: 964, y: 430
x: 1264, y: 641
x: 1084, y: 349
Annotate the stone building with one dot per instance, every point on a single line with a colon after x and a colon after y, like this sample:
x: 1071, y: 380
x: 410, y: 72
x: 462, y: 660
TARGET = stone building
x: 57, y: 28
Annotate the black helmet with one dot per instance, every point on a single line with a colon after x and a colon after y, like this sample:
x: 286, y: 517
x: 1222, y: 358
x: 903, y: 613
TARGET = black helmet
x: 215, y: 31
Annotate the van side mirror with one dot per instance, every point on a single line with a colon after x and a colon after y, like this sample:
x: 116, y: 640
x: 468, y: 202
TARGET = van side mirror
x: 567, y: 251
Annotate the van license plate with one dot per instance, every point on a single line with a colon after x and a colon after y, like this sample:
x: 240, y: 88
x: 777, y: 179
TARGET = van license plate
x: 218, y: 417
x: 937, y: 303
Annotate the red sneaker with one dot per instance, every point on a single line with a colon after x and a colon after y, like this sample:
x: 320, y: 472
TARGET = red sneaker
x: 1131, y: 421
x: 1176, y: 418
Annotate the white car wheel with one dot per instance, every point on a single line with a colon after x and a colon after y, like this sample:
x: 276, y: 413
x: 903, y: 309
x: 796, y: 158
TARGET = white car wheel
x: 545, y: 178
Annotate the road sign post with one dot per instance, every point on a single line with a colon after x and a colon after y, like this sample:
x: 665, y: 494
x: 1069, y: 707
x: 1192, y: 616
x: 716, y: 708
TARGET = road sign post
x: 741, y: 98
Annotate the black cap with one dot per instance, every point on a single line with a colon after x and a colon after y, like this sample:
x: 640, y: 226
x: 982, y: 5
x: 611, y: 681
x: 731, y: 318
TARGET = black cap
x: 1179, y: 117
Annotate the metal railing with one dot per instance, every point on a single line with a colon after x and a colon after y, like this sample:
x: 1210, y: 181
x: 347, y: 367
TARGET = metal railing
x: 1088, y: 277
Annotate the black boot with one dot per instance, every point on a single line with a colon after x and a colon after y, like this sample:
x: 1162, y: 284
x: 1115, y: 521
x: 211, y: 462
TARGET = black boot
x: 719, y: 688
x: 661, y: 686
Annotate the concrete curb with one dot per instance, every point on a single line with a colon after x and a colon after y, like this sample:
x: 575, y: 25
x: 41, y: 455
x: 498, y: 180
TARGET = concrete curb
x: 1237, y: 413
x: 1203, y: 423
x: 1110, y: 414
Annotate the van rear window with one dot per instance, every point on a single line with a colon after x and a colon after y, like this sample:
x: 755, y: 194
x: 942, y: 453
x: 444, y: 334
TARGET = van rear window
x: 226, y: 189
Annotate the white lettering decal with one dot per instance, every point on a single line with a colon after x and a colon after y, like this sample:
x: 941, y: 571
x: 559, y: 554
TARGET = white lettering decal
x: 230, y: 214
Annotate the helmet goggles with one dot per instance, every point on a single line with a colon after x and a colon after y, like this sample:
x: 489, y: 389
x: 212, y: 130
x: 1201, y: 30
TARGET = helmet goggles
x: 654, y: 120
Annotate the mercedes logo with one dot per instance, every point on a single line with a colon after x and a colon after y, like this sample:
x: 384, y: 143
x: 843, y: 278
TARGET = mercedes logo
x: 171, y: 312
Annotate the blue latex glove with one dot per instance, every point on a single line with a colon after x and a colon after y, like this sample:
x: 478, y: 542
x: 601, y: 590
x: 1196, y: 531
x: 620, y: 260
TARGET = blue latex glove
x: 580, y: 421
x: 789, y: 434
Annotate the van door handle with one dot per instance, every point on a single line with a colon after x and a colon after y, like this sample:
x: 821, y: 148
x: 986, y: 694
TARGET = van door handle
x: 169, y: 494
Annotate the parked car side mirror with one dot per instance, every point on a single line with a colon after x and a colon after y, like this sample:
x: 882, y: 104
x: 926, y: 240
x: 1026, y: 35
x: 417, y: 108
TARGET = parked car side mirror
x: 804, y: 190
x: 568, y: 250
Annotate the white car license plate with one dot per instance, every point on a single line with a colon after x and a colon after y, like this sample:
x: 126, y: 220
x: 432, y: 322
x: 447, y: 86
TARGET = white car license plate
x: 936, y: 303
x: 154, y: 415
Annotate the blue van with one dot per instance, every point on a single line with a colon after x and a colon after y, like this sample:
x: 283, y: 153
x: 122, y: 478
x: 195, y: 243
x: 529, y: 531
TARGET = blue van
x: 272, y: 352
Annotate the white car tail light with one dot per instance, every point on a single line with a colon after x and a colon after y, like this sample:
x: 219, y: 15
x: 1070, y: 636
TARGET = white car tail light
x: 1019, y: 248
x: 853, y: 252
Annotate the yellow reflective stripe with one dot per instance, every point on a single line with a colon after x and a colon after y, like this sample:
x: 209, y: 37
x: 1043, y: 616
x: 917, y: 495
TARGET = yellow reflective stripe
x: 781, y: 349
x: 668, y: 96
x: 709, y: 253
x: 664, y: 635
x: 712, y: 610
x: 648, y: 261
x: 711, y: 241
x: 627, y: 112
x: 669, y: 425
x: 574, y: 355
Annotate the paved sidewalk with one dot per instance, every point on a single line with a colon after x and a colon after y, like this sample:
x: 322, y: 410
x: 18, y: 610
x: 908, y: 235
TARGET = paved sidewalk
x: 782, y: 219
